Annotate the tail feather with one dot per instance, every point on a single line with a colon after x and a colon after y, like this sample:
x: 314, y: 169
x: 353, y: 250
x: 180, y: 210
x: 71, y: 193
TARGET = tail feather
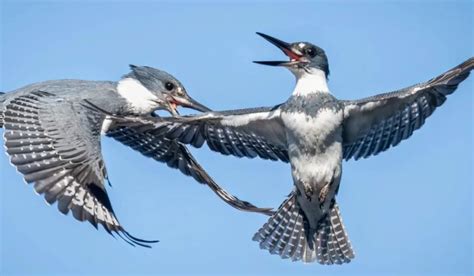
x: 320, y: 253
x: 273, y: 229
x: 297, y: 251
x: 340, y: 233
x: 291, y: 237
x: 2, y: 107
x: 290, y: 221
x: 335, y: 253
x: 285, y: 234
x: 267, y: 235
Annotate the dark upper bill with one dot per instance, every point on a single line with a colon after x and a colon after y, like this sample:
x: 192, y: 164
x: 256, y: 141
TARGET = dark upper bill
x: 285, y: 47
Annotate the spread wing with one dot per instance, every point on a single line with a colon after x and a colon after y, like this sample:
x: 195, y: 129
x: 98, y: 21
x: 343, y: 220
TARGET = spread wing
x: 245, y: 132
x: 56, y: 146
x: 177, y: 156
x: 374, y: 124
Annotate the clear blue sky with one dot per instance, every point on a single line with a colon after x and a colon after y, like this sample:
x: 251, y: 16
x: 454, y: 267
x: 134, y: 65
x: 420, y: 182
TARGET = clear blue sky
x: 407, y: 211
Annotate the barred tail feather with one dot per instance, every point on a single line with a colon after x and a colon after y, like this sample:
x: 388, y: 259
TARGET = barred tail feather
x: 340, y: 235
x: 300, y: 238
x: 2, y: 108
x: 285, y: 234
x: 333, y: 245
x: 280, y: 234
x: 320, y: 253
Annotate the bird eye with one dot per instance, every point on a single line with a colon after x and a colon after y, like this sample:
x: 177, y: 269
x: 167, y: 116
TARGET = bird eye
x: 310, y: 52
x: 169, y: 86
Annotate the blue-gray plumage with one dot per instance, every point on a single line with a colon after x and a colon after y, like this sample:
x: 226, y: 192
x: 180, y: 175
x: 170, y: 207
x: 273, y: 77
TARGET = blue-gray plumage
x: 313, y: 131
x: 54, y: 140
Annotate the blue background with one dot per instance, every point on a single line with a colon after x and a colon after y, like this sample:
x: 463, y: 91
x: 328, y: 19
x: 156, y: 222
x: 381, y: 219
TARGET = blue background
x: 407, y: 211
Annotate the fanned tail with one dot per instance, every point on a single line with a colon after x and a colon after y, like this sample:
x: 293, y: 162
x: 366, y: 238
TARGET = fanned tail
x: 285, y: 234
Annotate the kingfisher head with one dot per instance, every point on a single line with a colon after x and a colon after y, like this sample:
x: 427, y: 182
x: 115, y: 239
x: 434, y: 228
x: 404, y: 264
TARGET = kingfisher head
x: 303, y: 56
x: 151, y: 89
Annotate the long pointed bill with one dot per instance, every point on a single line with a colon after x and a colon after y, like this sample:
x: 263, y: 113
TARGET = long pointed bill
x: 271, y: 63
x: 191, y: 103
x: 278, y: 63
x: 285, y: 47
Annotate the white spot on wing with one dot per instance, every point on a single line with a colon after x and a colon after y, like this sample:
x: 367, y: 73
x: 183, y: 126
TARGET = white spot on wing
x: 106, y: 125
x: 370, y: 105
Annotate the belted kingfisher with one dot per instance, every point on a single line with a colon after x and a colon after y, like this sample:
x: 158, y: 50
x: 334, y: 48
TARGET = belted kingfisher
x: 54, y: 141
x: 313, y: 131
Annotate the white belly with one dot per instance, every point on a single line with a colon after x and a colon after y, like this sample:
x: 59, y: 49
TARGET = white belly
x: 319, y: 168
x: 315, y: 148
x: 312, y: 129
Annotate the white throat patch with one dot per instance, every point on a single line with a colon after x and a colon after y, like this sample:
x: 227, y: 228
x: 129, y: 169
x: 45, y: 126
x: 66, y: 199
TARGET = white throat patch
x: 312, y: 82
x: 137, y: 95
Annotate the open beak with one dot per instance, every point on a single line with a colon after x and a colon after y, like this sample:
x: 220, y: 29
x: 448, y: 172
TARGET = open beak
x: 189, y: 103
x: 286, y: 48
x: 173, y: 109
x: 167, y: 105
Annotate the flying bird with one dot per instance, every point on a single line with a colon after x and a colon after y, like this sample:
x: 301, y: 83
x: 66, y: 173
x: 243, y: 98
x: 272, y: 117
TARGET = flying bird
x: 314, y: 132
x: 55, y: 142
